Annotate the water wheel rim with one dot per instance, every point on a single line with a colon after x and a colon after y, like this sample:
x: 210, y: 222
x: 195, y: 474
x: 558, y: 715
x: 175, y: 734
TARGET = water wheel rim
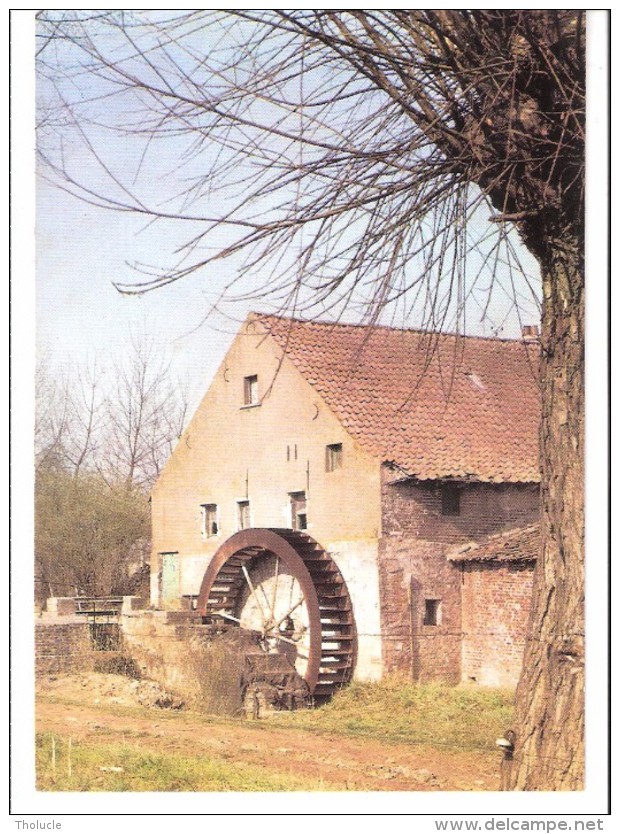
x: 253, y: 542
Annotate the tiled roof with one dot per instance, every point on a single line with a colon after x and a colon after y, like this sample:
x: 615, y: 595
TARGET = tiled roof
x: 437, y: 406
x: 519, y: 545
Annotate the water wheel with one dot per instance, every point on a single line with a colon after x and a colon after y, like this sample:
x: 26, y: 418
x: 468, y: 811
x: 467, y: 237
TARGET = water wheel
x: 282, y: 586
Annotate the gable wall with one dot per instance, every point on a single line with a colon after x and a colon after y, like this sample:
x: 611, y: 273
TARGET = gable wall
x: 230, y: 452
x: 413, y: 567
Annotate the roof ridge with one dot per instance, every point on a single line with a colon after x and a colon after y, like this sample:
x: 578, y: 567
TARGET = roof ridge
x: 359, y: 325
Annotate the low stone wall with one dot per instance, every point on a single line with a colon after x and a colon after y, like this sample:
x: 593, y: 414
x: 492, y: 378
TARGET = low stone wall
x: 66, y: 642
x: 171, y: 648
x: 165, y: 651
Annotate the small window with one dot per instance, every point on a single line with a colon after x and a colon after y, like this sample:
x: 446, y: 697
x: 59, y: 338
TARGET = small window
x: 209, y: 520
x: 243, y: 515
x: 299, y: 517
x: 450, y: 500
x: 250, y: 390
x: 333, y: 457
x: 432, y: 612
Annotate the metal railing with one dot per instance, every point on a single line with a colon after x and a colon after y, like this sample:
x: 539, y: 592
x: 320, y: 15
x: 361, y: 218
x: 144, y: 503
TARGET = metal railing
x: 98, y: 606
x: 102, y: 615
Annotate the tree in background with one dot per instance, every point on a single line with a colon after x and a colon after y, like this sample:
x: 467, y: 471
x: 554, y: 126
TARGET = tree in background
x: 144, y: 416
x: 362, y: 157
x: 98, y: 452
x: 87, y: 533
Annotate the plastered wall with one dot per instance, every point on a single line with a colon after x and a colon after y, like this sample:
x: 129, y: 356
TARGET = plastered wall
x: 262, y: 453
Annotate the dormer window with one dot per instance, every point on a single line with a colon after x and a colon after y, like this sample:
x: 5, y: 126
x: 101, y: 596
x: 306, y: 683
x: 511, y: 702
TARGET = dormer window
x: 250, y: 390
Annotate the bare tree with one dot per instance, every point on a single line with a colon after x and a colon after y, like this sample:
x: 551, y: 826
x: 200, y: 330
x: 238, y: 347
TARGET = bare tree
x: 51, y: 416
x: 355, y: 153
x: 98, y: 452
x: 85, y: 421
x: 68, y: 418
x: 124, y: 430
x: 145, y: 415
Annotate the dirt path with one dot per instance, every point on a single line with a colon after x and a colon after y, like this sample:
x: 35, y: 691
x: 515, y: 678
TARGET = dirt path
x: 341, y: 763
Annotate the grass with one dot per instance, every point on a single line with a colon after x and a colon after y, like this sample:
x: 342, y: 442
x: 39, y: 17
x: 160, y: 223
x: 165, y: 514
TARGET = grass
x: 397, y: 710
x: 392, y: 710
x: 100, y: 766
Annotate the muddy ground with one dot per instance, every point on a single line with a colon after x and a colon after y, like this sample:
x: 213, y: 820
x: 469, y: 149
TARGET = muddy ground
x: 341, y: 762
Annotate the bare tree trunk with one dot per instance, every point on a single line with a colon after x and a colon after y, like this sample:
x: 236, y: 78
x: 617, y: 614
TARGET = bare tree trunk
x: 549, y: 753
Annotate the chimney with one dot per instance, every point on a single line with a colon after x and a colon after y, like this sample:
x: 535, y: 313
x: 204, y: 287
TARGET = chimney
x: 529, y: 333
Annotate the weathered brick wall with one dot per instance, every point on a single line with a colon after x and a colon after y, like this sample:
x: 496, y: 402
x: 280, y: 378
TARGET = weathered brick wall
x: 496, y: 604
x: 62, y: 647
x: 413, y: 567
x: 410, y: 571
x: 414, y: 510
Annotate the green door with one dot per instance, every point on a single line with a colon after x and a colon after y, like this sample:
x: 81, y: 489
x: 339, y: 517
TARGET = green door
x: 170, y: 589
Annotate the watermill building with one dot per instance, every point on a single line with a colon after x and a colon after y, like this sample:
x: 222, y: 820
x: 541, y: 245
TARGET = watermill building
x: 366, y: 498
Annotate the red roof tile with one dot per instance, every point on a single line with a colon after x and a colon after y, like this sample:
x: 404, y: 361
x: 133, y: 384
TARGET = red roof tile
x: 437, y: 406
x: 518, y: 545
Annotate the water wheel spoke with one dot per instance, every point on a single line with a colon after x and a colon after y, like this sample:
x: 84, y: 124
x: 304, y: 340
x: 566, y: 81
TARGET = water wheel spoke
x: 254, y: 594
x: 262, y: 589
x: 272, y: 611
x: 299, y: 602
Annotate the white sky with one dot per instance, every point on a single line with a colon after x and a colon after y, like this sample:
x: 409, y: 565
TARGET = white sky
x: 82, y: 317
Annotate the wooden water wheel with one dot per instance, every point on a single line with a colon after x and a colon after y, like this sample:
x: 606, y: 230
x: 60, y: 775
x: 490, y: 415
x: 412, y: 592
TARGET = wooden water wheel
x: 282, y: 586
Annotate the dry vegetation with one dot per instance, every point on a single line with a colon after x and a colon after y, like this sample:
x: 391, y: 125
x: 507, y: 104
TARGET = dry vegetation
x: 396, y: 710
x: 107, y: 732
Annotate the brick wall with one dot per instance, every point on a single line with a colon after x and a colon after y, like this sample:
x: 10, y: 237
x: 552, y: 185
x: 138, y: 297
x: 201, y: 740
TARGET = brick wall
x: 414, y: 510
x: 63, y: 647
x: 410, y: 571
x: 413, y: 567
x: 496, y: 604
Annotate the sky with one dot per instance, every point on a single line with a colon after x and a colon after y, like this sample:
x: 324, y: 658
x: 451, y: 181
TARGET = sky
x: 82, y: 317
x: 81, y: 250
